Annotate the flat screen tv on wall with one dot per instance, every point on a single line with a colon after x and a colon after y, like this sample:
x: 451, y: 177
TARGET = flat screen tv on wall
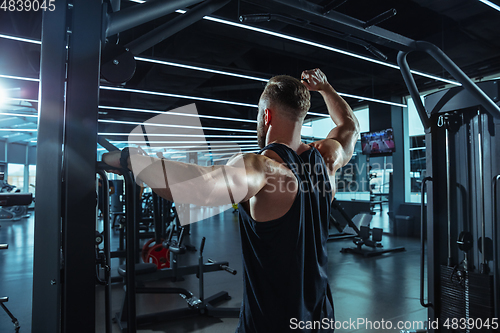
x: 379, y: 143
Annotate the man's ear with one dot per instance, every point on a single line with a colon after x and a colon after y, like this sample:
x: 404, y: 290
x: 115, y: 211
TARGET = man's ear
x: 267, y: 116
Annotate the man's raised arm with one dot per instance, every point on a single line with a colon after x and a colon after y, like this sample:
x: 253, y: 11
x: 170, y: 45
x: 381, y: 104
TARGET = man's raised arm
x: 338, y: 147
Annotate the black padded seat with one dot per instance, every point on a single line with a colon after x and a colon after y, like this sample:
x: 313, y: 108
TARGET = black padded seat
x: 139, y: 269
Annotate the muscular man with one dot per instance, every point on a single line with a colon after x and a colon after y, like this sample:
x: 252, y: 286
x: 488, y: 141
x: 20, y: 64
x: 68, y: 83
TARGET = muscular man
x: 285, y: 209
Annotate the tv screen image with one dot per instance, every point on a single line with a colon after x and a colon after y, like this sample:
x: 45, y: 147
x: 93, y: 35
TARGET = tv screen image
x: 378, y: 143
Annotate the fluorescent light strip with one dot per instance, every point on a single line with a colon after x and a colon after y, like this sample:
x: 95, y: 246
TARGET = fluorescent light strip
x: 373, y: 100
x: 258, y: 79
x: 178, y: 96
x: 204, y: 151
x: 491, y: 4
x: 208, y: 70
x: 318, y: 114
x: 222, y: 159
x: 211, y: 150
x: 174, y: 113
x: 17, y: 130
x: 23, y: 100
x: 234, y: 151
x: 229, y: 150
x: 201, y: 99
x: 18, y: 78
x: 138, y: 1
x: 295, y: 39
x: 33, y: 41
x: 187, y: 142
x: 254, y: 151
x: 183, y: 135
x: 175, y: 126
x: 322, y: 46
x: 211, y: 146
x: 18, y: 114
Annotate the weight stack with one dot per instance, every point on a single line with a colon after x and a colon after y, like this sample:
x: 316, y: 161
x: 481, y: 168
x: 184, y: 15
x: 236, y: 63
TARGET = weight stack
x: 472, y: 299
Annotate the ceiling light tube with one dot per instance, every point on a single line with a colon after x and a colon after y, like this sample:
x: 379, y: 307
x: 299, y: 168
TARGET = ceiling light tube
x: 17, y: 130
x: 318, y: 45
x: 287, y: 37
x: 318, y: 114
x: 168, y: 63
x: 183, y: 135
x: 208, y: 149
x: 174, y: 113
x: 20, y: 39
x: 206, y: 155
x: 491, y: 4
x: 373, y: 100
x: 201, y: 151
x: 178, y: 96
x: 175, y: 126
x: 19, y: 78
x: 189, y: 142
x: 208, y: 70
x: 18, y: 114
x: 23, y: 100
x: 208, y: 146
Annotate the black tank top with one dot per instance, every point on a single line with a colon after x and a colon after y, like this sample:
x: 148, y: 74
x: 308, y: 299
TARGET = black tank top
x: 285, y: 260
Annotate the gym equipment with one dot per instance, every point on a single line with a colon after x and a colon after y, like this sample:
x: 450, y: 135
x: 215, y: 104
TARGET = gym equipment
x: 14, y: 319
x: 117, y: 63
x: 346, y: 230
x: 349, y: 229
x: 9, y: 200
x: 103, y: 256
x: 196, y: 305
x: 14, y: 212
x: 371, y: 238
x: 156, y: 254
x: 132, y: 271
x: 463, y: 157
x: 359, y: 228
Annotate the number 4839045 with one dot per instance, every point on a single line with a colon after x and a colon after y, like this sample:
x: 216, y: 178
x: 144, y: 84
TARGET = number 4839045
x: 27, y: 5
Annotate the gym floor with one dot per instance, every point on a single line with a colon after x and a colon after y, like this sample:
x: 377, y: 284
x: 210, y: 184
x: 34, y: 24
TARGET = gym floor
x: 374, y: 289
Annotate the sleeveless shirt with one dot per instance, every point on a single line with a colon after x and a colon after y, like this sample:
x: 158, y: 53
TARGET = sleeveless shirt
x: 285, y: 260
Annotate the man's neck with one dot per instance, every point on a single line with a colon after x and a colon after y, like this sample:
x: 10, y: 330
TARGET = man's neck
x: 289, y: 135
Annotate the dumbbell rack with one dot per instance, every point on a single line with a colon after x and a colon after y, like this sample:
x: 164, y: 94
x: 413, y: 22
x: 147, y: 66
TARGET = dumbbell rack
x: 6, y: 299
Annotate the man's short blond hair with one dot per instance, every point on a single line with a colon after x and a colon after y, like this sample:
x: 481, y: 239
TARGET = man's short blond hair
x: 289, y: 95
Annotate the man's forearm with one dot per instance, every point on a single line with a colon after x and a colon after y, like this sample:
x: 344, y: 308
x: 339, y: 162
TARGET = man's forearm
x: 347, y: 130
x: 338, y: 109
x: 153, y: 172
x: 188, y: 183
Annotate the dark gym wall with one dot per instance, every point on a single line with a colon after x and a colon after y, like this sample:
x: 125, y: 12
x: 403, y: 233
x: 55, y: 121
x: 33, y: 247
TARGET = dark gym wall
x: 380, y: 116
x: 16, y: 153
x: 3, y: 146
x: 32, y: 155
x: 384, y: 116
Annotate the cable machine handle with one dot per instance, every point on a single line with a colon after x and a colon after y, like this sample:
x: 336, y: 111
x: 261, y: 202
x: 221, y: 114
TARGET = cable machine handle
x: 422, y: 243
